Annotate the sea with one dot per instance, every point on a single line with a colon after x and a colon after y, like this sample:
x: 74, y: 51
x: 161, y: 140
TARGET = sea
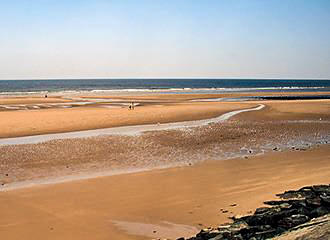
x: 71, y: 86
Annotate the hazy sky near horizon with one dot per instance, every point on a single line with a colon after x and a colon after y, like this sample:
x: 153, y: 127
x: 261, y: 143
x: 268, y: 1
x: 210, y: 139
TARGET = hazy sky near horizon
x: 164, y: 38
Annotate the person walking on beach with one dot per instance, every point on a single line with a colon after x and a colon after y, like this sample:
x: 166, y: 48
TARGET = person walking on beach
x: 131, y: 106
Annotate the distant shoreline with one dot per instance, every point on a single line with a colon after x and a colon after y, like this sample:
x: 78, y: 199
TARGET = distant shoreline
x: 149, y: 85
x: 160, y: 78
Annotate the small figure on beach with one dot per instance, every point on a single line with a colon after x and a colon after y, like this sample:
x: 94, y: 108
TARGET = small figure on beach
x: 131, y: 106
x: 46, y: 96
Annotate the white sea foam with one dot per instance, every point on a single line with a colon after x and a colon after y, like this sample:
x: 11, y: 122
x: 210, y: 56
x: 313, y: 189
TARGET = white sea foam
x: 128, y: 90
x: 10, y: 107
x: 23, y: 93
x: 203, y: 89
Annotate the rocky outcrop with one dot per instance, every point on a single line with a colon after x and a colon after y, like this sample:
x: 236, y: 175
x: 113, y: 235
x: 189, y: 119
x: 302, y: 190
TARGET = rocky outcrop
x: 297, y: 210
x: 316, y: 229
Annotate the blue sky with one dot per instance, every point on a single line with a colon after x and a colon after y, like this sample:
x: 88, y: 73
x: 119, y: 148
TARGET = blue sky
x: 164, y: 38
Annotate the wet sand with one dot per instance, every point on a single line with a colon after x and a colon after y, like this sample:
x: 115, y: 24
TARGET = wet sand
x: 288, y: 137
x: 98, y: 116
x: 33, y: 122
x: 114, y: 207
x: 31, y: 100
x: 133, y: 130
x: 244, y: 135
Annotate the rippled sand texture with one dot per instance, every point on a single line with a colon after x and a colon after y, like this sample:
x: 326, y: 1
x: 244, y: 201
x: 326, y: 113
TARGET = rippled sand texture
x: 290, y: 139
x: 243, y: 136
x: 126, y: 130
x: 133, y: 206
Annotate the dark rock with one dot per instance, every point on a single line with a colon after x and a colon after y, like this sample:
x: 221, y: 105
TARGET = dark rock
x: 320, y: 211
x: 271, y: 203
x: 298, y: 203
x: 313, y: 202
x: 294, y: 194
x: 292, y: 221
x: 297, y: 208
x: 261, y: 210
x: 238, y: 225
x: 325, y: 199
x: 262, y: 228
x: 281, y: 202
x: 237, y: 237
x: 285, y: 206
x: 303, y: 211
x: 321, y: 188
x: 265, y: 234
x: 209, y: 233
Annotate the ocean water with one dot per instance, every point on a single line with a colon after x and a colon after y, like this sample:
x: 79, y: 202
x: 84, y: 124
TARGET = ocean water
x: 160, y: 85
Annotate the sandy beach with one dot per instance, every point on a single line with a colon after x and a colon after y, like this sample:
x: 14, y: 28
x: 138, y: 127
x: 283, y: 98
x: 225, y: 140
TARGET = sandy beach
x: 31, y: 100
x: 159, y: 109
x: 160, y: 184
x: 165, y: 120
x: 126, y: 206
x: 26, y: 123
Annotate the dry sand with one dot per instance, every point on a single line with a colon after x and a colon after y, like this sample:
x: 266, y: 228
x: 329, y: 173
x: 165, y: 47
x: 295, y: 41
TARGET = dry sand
x: 42, y: 121
x: 33, y: 122
x: 291, y: 110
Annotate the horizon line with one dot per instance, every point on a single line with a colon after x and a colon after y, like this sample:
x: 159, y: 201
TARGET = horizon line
x: 160, y: 78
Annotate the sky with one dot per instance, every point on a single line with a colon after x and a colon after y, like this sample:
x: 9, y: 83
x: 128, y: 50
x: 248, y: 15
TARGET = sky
x: 41, y: 39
